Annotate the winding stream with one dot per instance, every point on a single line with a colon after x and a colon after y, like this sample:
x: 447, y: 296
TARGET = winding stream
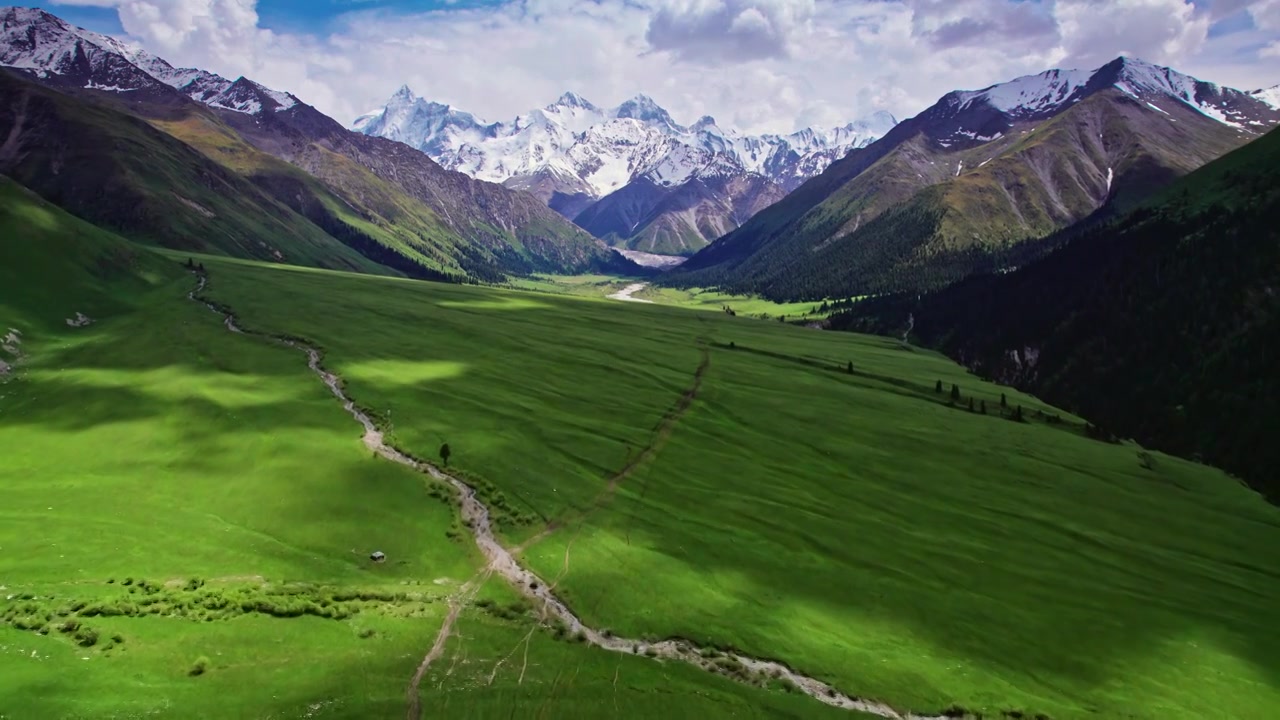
x: 500, y: 560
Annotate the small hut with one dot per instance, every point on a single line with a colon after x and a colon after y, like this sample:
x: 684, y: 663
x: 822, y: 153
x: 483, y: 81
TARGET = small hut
x: 377, y: 556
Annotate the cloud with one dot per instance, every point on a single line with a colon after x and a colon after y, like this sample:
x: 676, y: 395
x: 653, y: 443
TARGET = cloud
x: 717, y: 31
x: 758, y: 65
x: 1167, y: 31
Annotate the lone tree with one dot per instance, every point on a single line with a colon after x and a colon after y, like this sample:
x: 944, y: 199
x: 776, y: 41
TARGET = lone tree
x: 955, y: 393
x: 983, y: 407
x: 850, y: 368
x: 970, y: 404
x: 445, y: 452
x: 1017, y: 414
x: 1004, y: 401
x: 938, y: 388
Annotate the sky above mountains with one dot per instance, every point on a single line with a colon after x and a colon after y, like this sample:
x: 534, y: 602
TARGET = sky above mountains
x: 757, y: 65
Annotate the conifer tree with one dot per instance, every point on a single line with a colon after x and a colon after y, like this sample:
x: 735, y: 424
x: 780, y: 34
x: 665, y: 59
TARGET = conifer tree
x: 955, y: 393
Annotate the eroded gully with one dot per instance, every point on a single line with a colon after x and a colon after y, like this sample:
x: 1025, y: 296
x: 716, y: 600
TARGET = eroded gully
x: 500, y: 560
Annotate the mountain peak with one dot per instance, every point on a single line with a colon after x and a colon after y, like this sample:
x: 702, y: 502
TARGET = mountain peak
x: 573, y: 99
x: 28, y: 15
x: 643, y: 108
x: 704, y: 122
x: 404, y: 94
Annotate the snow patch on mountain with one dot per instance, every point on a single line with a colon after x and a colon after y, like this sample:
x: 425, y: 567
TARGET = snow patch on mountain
x: 1030, y: 94
x: 1270, y: 96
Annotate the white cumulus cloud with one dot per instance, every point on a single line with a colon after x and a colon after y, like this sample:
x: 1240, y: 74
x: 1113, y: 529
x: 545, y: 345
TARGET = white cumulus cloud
x: 759, y: 65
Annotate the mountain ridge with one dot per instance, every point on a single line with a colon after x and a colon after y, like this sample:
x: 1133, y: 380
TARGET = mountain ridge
x: 977, y: 172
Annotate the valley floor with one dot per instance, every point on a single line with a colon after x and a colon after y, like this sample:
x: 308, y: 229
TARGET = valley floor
x: 756, y: 487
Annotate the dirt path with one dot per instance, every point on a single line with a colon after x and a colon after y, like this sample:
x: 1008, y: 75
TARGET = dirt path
x: 457, y: 603
x: 500, y: 560
x: 626, y: 293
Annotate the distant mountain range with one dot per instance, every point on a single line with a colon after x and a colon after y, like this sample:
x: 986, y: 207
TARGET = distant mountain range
x: 188, y: 159
x: 629, y: 174
x: 964, y: 185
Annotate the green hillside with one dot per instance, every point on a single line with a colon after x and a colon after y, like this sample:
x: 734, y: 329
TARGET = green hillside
x: 133, y: 179
x: 1159, y: 326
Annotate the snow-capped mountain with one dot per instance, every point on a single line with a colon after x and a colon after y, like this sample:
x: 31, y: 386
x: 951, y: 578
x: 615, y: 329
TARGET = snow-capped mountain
x: 572, y: 153
x: 607, y: 148
x: 34, y: 40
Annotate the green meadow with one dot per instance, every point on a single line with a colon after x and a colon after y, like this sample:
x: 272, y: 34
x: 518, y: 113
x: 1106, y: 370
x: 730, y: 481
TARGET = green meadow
x: 186, y: 514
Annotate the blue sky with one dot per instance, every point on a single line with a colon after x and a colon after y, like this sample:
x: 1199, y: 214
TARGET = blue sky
x: 754, y: 65
x: 307, y: 16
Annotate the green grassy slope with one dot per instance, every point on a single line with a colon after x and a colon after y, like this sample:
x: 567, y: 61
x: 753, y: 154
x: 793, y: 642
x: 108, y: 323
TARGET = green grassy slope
x: 371, y: 216
x: 1160, y: 326
x: 136, y: 180
x: 852, y: 525
x: 53, y: 265
x: 174, y: 495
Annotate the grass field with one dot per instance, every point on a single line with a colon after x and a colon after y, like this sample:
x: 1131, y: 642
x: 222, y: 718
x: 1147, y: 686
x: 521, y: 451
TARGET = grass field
x: 852, y: 524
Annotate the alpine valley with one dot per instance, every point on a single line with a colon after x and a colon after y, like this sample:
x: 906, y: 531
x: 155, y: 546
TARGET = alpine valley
x: 630, y: 174
x: 593, y: 414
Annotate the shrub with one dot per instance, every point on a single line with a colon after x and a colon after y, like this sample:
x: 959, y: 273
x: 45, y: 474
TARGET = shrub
x: 199, y: 666
x: 87, y: 637
x: 368, y: 633
x: 1146, y: 461
x: 118, y: 638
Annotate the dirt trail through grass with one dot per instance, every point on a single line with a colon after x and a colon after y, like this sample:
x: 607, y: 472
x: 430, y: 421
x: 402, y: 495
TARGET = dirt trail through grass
x: 661, y: 434
x: 500, y: 560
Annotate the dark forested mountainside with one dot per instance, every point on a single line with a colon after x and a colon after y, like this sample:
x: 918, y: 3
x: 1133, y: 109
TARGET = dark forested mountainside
x: 1163, y: 326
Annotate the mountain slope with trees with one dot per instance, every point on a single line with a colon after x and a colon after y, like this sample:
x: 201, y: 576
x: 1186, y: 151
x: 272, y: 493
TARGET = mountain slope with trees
x: 1162, y: 325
